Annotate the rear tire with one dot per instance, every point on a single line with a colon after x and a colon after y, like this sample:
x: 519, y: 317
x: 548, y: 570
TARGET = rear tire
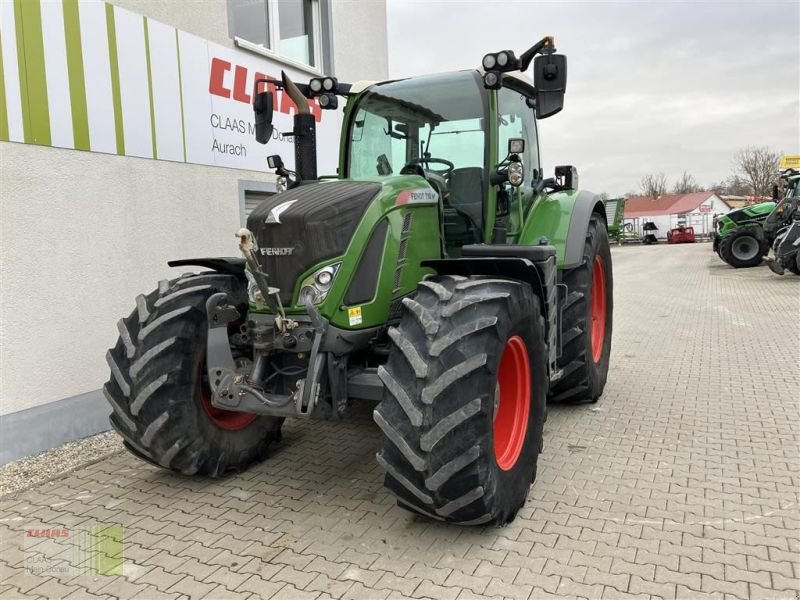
x: 742, y: 249
x: 584, y: 357
x: 445, y: 453
x: 160, y: 401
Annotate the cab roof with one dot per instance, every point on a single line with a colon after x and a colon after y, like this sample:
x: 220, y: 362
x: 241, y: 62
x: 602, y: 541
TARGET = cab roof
x: 521, y: 80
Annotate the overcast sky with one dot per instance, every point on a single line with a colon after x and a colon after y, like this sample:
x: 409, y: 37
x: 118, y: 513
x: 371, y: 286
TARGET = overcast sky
x: 652, y: 86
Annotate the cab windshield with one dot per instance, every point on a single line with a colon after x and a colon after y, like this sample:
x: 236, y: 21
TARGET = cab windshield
x: 440, y: 116
x: 430, y: 126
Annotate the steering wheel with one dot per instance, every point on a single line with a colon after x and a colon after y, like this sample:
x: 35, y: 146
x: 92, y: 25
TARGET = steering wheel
x: 427, y: 160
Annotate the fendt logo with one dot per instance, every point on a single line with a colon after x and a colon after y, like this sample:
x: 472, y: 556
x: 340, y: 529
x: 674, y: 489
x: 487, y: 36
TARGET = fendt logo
x: 276, y: 251
x: 220, y: 85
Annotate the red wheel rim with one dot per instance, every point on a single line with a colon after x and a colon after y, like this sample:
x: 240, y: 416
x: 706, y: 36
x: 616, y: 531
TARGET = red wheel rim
x: 231, y: 420
x: 598, y: 308
x: 513, y: 403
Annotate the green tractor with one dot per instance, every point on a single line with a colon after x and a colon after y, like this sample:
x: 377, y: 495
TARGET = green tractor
x: 739, y: 237
x: 440, y: 274
x: 744, y: 237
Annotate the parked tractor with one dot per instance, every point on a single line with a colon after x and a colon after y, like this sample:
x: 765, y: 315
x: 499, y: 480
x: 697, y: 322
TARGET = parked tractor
x: 440, y: 274
x: 782, y: 227
x: 744, y: 237
x: 739, y: 236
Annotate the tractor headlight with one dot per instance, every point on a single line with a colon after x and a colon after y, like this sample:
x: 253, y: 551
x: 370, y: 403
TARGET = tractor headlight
x: 328, y: 101
x: 489, y: 61
x: 516, y: 174
x: 315, y: 85
x: 491, y: 80
x: 316, y: 286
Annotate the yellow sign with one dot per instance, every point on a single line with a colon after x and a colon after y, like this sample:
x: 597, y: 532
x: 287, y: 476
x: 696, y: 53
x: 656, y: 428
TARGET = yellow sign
x: 354, y: 315
x: 790, y: 161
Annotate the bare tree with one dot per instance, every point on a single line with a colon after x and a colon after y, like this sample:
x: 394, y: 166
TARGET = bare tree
x: 758, y: 166
x: 653, y: 185
x: 686, y: 184
x: 731, y: 186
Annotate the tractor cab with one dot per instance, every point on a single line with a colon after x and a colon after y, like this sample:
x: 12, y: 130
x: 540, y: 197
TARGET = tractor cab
x: 470, y: 135
x: 457, y: 135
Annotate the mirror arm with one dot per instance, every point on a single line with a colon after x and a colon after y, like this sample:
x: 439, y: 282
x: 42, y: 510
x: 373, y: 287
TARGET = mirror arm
x: 541, y: 183
x: 498, y: 177
x: 546, y: 44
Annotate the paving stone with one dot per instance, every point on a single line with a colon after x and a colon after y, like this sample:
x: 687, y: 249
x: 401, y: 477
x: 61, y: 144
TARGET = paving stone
x: 404, y: 585
x: 160, y: 579
x: 333, y: 587
x: 256, y: 585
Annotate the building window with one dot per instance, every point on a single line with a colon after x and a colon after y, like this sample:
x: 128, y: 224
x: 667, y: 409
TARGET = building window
x: 251, y: 194
x: 289, y: 29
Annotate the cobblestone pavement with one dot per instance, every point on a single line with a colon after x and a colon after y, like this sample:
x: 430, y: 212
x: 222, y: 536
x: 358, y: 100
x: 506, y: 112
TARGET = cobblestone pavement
x: 681, y: 482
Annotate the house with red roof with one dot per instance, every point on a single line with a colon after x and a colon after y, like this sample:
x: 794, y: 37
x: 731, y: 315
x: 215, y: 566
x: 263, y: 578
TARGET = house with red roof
x: 673, y: 210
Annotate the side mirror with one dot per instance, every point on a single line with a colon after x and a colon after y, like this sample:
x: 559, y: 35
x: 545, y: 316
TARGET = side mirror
x: 262, y: 107
x: 567, y: 177
x: 550, y: 81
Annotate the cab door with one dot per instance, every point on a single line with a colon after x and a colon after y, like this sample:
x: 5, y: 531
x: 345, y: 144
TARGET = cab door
x: 515, y: 119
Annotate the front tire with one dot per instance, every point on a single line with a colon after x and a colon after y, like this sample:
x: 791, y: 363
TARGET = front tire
x: 587, y: 321
x: 742, y: 249
x: 463, y: 411
x: 794, y: 264
x: 158, y: 389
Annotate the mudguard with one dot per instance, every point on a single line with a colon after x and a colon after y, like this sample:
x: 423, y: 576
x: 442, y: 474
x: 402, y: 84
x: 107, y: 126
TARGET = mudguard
x: 228, y: 265
x: 562, y: 218
x: 534, y: 265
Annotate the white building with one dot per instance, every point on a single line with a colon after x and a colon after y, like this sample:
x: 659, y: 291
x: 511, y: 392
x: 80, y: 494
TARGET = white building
x: 673, y: 210
x: 125, y: 141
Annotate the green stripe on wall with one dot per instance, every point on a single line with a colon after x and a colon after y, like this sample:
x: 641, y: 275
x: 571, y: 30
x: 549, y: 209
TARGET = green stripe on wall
x: 3, y: 106
x: 150, y: 87
x: 29, y: 28
x: 23, y: 79
x: 180, y: 92
x: 77, y: 83
x: 115, y: 91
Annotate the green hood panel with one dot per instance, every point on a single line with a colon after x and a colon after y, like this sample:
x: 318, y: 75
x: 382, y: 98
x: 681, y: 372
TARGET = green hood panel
x: 406, y: 209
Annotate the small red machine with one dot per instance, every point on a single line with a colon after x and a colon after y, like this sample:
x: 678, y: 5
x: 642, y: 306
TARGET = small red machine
x: 681, y: 235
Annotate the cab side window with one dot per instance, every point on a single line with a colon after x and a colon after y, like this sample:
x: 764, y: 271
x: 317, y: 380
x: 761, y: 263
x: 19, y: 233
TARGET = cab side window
x: 517, y: 121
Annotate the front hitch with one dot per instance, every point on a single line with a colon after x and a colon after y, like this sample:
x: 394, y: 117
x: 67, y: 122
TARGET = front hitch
x: 233, y: 388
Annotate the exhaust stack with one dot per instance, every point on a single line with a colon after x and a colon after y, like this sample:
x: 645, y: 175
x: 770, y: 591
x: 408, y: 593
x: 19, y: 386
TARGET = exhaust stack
x: 305, y: 133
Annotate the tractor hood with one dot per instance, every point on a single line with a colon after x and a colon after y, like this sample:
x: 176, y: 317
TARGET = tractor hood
x: 754, y: 211
x: 371, y: 235
x: 304, y: 226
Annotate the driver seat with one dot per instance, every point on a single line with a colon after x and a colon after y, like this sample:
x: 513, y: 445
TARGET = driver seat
x: 465, y: 198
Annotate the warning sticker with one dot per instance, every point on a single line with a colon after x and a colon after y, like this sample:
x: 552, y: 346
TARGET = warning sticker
x: 354, y: 315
